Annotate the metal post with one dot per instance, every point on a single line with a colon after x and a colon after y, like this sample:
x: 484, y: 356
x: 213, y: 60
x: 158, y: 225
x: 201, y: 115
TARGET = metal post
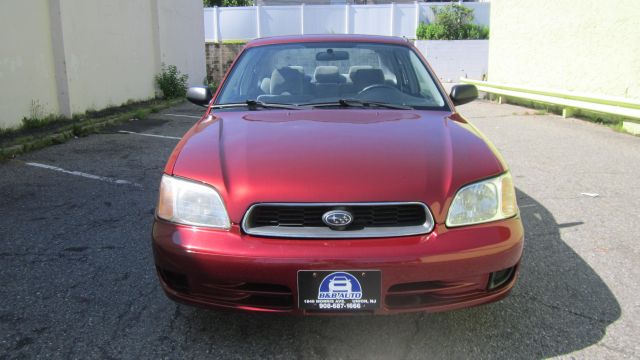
x: 347, y: 15
x: 392, y: 15
x: 302, y: 19
x: 216, y: 25
x: 258, y: 11
x: 417, y: 5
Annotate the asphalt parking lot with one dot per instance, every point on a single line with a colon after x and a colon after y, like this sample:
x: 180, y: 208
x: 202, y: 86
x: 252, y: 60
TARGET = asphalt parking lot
x: 77, y: 277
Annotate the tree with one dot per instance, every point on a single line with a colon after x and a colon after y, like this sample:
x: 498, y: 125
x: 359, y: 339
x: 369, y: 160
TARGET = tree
x: 212, y: 3
x: 452, y: 22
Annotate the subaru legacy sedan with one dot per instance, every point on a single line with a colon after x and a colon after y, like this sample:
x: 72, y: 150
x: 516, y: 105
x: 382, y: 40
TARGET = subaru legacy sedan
x: 333, y: 174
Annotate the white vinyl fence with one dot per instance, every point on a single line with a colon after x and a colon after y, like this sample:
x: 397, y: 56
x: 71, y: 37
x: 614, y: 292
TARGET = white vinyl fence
x: 452, y: 60
x: 245, y: 23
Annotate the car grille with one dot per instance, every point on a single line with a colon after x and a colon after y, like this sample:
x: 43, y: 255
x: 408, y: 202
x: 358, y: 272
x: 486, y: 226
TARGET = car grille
x: 300, y: 220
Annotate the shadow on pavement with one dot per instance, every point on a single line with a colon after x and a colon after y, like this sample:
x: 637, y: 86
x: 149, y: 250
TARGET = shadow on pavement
x: 559, y: 305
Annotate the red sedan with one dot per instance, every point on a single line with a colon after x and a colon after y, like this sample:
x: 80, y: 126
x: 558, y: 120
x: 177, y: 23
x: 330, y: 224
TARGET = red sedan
x: 332, y: 174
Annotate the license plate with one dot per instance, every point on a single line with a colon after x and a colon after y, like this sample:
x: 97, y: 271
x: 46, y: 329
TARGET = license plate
x: 339, y: 290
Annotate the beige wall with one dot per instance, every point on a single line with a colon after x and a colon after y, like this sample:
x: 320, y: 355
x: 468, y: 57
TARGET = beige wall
x: 26, y: 60
x: 587, y: 46
x: 182, y: 37
x: 76, y: 55
x: 109, y: 50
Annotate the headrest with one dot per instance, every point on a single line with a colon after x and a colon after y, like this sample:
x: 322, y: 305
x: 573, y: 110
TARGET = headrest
x: 367, y: 77
x: 265, y: 85
x: 355, y: 68
x: 286, y: 80
x: 297, y: 67
x: 327, y: 74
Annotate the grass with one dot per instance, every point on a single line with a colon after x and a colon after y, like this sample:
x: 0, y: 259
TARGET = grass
x: 38, y: 132
x: 38, y: 118
x: 141, y: 114
x: 35, y: 123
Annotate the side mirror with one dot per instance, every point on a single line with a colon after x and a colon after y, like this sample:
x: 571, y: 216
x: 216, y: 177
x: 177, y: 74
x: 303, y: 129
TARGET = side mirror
x: 463, y: 93
x: 199, y: 95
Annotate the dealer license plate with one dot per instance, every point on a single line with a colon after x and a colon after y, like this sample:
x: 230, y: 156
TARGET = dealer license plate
x: 339, y: 290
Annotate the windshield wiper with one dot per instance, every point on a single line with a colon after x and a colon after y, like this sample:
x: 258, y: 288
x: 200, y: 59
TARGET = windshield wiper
x: 361, y: 103
x: 254, y: 104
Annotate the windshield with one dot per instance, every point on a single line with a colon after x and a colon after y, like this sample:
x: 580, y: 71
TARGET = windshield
x: 326, y: 73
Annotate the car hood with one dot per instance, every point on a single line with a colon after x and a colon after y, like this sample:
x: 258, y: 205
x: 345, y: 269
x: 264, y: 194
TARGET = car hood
x: 342, y: 155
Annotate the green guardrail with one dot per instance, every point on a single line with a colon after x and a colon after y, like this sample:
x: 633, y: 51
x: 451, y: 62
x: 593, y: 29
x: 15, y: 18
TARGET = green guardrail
x: 569, y: 101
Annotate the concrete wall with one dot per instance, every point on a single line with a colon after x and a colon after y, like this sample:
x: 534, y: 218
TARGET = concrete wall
x: 452, y: 60
x: 70, y: 56
x: 590, y: 46
x: 182, y: 37
x: 219, y: 58
x: 110, y: 54
x: 26, y: 62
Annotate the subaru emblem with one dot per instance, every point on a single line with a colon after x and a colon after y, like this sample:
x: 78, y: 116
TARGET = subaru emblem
x: 337, y: 219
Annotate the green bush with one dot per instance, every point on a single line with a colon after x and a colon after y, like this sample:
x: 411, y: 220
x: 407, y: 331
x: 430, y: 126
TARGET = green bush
x: 452, y: 22
x: 213, y: 87
x: 171, y: 82
x: 477, y: 32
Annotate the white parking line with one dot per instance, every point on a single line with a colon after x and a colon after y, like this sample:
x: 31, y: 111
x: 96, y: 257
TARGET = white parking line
x: 84, y: 175
x: 150, y: 135
x: 180, y: 115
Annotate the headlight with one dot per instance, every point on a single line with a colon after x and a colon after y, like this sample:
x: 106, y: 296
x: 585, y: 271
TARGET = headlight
x: 190, y: 203
x: 484, y: 201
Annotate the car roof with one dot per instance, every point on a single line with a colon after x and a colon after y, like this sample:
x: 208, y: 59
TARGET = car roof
x: 290, y: 39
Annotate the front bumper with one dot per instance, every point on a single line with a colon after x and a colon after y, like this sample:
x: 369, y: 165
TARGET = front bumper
x: 444, y: 270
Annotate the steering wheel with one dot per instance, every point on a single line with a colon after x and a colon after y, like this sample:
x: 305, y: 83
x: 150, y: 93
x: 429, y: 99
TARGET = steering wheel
x: 375, y: 87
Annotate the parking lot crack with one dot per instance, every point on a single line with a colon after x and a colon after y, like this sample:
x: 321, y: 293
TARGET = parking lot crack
x: 174, y: 317
x: 416, y: 331
x: 558, y: 308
